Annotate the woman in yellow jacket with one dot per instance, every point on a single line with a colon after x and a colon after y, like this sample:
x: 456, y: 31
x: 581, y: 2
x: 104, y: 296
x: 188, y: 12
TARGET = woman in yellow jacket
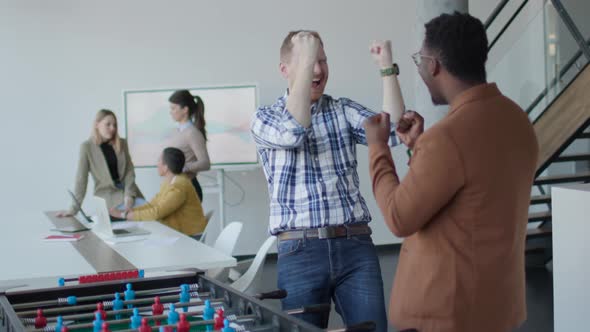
x: 177, y: 204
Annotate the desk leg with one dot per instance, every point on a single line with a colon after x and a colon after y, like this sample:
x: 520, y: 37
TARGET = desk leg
x: 221, y: 183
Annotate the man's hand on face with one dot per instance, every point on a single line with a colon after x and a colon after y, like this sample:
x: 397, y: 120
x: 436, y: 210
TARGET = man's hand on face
x: 381, y: 52
x: 378, y: 128
x: 410, y: 127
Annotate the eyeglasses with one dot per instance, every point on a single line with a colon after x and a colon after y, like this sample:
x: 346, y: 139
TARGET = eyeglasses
x: 417, y: 57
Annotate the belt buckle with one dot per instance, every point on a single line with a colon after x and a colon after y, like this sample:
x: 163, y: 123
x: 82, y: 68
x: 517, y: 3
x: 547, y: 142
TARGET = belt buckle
x: 326, y: 232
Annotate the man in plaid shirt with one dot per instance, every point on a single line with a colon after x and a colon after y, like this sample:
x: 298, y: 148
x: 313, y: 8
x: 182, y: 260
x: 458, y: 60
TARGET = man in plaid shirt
x: 307, y: 144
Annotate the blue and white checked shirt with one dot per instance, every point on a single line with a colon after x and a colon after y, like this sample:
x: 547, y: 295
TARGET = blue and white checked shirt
x: 311, y: 172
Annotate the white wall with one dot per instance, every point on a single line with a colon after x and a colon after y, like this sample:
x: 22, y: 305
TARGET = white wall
x: 60, y: 61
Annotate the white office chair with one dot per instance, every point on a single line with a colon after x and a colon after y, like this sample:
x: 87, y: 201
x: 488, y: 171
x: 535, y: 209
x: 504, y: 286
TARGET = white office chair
x: 249, y: 281
x: 208, y: 227
x: 208, y: 215
x: 226, y: 242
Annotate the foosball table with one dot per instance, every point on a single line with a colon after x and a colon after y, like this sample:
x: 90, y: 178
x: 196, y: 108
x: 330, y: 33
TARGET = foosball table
x: 183, y: 302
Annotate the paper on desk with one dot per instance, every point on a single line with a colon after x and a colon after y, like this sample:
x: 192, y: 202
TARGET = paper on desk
x: 124, y: 239
x: 161, y: 241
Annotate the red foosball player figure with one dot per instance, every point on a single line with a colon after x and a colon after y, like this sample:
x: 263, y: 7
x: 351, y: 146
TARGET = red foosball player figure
x: 100, y: 309
x: 40, y: 321
x: 218, y: 320
x: 145, y: 327
x: 183, y: 325
x: 157, y: 309
x: 105, y: 327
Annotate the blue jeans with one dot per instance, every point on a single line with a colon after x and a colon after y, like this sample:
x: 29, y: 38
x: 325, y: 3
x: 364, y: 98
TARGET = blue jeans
x: 315, y: 271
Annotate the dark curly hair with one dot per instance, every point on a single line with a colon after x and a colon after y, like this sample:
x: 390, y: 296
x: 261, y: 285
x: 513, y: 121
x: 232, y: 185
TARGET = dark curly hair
x: 461, y: 44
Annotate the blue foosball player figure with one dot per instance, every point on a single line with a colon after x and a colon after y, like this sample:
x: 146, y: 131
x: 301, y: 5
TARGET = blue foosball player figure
x: 135, y: 319
x: 173, y: 316
x: 118, y: 305
x: 129, y: 295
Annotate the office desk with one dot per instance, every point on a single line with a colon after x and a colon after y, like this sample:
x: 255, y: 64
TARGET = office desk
x: 571, y: 262
x: 26, y: 256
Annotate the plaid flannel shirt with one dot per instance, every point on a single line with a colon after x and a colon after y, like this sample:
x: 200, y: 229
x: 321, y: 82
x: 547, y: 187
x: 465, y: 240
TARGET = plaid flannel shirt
x: 312, y: 172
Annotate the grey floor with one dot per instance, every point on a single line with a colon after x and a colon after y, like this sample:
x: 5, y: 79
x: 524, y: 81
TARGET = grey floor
x: 539, y: 291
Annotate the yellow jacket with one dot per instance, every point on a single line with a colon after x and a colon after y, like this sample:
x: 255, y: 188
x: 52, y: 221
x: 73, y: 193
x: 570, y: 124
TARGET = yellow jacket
x: 176, y: 206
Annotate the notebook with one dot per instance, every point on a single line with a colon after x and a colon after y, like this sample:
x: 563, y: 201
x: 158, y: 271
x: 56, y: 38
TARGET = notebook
x: 62, y: 238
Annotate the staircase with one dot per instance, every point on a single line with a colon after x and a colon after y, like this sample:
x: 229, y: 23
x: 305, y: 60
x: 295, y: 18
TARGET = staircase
x: 539, y: 236
x: 563, y: 123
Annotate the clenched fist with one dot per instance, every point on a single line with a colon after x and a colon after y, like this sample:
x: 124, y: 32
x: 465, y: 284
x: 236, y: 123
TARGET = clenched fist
x: 305, y: 48
x: 410, y: 127
x: 381, y: 52
x: 378, y: 128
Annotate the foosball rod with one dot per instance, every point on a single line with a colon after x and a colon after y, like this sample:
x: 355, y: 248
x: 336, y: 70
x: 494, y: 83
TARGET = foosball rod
x: 276, y: 295
x: 65, y: 300
x: 106, y: 304
x: 197, y: 323
x: 128, y: 320
x: 126, y: 311
x: 367, y: 326
x: 314, y: 308
x: 325, y: 308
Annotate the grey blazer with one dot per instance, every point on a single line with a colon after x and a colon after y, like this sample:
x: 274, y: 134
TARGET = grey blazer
x: 92, y: 161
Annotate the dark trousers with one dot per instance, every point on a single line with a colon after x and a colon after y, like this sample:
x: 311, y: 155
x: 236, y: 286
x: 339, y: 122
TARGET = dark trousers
x: 197, y: 186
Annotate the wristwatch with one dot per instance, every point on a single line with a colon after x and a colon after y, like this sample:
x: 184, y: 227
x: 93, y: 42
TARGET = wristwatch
x: 393, y: 70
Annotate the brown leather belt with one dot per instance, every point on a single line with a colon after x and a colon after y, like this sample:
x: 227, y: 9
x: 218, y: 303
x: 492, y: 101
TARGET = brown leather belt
x: 329, y: 232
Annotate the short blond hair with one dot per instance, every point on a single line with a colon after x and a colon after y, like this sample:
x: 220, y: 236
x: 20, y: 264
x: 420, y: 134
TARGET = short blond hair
x: 116, y: 140
x: 287, y: 45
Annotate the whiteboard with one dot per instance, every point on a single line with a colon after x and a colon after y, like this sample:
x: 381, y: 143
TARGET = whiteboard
x: 228, y: 112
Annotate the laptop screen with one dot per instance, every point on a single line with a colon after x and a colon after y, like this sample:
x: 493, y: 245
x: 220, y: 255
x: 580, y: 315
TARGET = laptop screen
x: 79, y: 206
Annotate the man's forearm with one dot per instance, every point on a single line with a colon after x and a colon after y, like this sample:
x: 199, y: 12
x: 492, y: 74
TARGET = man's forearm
x: 385, y: 182
x: 393, y: 102
x: 299, y: 100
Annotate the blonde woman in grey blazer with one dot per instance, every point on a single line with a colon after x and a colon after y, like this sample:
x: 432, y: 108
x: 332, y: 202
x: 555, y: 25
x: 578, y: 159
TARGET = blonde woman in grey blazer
x: 106, y: 157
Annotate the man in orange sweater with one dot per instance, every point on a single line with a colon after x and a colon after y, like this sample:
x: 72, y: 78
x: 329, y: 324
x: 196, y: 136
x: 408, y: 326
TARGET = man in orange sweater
x: 463, y: 205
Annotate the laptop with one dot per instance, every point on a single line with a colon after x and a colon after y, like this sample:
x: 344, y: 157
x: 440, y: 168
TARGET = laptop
x: 79, y: 207
x: 103, y: 225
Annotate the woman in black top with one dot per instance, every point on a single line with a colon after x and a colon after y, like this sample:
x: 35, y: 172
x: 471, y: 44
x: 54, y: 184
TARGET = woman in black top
x: 105, y: 156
